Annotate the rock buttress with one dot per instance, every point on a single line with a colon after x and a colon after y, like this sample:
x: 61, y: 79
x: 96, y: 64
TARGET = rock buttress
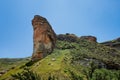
x: 44, y: 38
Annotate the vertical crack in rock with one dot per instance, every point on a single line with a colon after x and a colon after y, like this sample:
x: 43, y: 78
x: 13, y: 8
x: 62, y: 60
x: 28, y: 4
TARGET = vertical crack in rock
x: 44, y: 38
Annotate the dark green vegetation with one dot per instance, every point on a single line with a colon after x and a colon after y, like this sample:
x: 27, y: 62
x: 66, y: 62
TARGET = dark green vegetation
x: 77, y: 60
x: 26, y: 75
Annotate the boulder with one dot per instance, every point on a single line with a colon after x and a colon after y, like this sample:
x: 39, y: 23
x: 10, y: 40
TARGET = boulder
x: 3, y: 72
x: 44, y: 38
x: 89, y: 38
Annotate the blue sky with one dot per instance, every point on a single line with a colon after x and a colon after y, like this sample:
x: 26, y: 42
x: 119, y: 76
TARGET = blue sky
x: 100, y: 18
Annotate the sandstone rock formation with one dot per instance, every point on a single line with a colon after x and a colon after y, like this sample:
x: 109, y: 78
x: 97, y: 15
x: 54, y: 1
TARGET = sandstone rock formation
x: 44, y: 38
x: 90, y: 38
x: 67, y: 37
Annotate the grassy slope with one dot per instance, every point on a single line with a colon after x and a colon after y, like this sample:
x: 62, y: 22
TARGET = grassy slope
x: 46, y: 66
x: 12, y: 65
x: 62, y: 59
x: 8, y: 63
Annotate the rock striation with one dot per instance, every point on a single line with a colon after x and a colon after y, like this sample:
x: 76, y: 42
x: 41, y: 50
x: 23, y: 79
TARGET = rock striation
x: 44, y: 38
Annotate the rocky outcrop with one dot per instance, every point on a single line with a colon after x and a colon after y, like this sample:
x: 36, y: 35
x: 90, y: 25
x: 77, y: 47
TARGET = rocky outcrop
x: 113, y: 43
x: 3, y: 72
x: 73, y: 38
x: 89, y: 38
x: 44, y: 38
x: 67, y: 37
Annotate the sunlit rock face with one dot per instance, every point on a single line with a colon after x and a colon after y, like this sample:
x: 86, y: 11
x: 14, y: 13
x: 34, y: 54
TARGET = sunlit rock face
x: 89, y: 38
x: 44, y: 38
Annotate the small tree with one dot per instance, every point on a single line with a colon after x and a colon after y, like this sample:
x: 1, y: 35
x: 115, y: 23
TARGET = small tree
x: 89, y: 72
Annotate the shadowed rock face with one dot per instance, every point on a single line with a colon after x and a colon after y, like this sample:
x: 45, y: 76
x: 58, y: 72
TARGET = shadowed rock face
x: 44, y: 38
x: 67, y: 37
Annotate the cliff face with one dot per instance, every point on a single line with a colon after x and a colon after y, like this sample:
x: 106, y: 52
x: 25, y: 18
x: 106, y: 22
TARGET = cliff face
x: 44, y: 38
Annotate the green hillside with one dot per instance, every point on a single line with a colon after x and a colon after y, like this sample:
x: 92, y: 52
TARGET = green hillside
x: 8, y: 63
x: 78, y: 60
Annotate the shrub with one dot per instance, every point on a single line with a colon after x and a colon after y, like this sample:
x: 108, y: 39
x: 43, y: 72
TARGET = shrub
x: 26, y: 75
x: 75, y: 76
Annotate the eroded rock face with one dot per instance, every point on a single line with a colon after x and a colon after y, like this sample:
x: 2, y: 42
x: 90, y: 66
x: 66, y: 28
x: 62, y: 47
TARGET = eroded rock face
x: 90, y: 38
x: 44, y: 38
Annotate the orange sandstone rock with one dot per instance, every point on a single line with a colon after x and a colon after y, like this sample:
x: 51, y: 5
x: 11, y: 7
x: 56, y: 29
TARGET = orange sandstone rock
x: 44, y: 38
